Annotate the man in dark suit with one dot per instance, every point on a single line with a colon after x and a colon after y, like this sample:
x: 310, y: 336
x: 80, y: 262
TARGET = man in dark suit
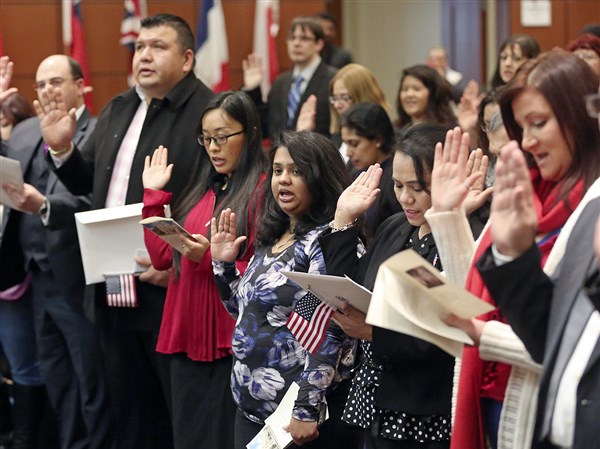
x: 553, y: 317
x: 332, y: 54
x: 163, y: 109
x: 310, y: 76
x: 43, y: 242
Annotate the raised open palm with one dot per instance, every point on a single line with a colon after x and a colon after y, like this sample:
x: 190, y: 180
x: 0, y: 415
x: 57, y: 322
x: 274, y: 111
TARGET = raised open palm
x: 224, y: 243
x: 157, y: 172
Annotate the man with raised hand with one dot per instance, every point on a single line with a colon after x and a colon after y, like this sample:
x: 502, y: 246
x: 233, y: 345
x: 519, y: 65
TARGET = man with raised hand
x: 163, y: 109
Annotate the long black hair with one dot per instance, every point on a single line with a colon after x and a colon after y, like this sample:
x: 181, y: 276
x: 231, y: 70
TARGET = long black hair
x: 325, y: 175
x: 418, y: 142
x: 251, y: 165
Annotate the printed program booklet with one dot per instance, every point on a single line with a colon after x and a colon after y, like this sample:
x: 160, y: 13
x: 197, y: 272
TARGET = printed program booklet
x: 168, y: 230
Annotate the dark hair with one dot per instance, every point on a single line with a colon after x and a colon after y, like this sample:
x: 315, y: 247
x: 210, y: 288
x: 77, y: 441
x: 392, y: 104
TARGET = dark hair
x: 490, y: 98
x: 251, y: 165
x: 418, y: 142
x: 438, y: 110
x: 564, y: 80
x: 529, y: 49
x: 371, y: 121
x: 185, y: 36
x: 307, y: 23
x: 324, y: 15
x: 592, y: 28
x: 75, y: 67
x: 587, y: 42
x: 16, y: 109
x: 324, y: 174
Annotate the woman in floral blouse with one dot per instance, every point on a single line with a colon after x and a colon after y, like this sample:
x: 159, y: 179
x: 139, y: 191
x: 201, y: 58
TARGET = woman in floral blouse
x: 307, y: 176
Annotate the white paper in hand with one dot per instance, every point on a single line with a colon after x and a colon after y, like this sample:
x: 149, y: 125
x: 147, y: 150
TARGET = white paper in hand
x: 10, y: 173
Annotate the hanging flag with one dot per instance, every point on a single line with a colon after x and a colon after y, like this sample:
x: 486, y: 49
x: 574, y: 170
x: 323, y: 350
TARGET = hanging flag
x: 212, y: 56
x: 308, y: 322
x: 73, y: 38
x: 266, y: 28
x: 135, y: 11
x: 120, y: 290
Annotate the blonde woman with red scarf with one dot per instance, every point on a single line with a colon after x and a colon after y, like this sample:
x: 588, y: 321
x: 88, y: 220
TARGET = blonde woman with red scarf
x: 543, y: 109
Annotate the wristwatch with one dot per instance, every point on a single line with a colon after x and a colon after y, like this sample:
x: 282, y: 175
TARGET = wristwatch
x: 43, y: 211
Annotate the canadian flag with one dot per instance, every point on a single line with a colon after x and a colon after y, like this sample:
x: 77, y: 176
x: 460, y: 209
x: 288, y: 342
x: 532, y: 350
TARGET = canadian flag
x: 212, y: 55
x: 266, y: 28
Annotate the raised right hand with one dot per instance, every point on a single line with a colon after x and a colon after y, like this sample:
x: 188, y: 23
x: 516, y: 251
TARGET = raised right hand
x: 513, y: 216
x: 450, y: 182
x: 224, y: 246
x: 56, y: 123
x: 358, y: 197
x: 253, y: 71
x: 6, y: 71
x: 308, y: 112
x: 156, y: 172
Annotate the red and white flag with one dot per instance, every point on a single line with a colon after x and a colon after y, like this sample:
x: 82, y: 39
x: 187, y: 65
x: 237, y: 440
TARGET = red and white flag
x: 135, y: 11
x: 308, y: 322
x: 73, y: 37
x: 212, y: 55
x: 120, y: 290
x: 266, y: 28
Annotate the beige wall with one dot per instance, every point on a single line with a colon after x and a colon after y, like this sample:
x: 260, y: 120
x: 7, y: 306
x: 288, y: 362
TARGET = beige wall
x: 387, y: 36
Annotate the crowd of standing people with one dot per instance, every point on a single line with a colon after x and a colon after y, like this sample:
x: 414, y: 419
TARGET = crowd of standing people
x: 499, y: 190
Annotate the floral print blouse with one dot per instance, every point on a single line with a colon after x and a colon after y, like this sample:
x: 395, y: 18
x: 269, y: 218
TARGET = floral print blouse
x: 266, y: 356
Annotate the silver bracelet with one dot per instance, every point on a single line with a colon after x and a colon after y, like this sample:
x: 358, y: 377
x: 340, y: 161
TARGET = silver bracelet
x: 343, y: 228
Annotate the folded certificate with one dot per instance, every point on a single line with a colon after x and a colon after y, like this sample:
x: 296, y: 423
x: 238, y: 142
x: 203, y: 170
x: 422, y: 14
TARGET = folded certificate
x: 412, y: 297
x: 109, y: 240
x: 10, y: 172
x: 168, y: 230
x: 333, y: 290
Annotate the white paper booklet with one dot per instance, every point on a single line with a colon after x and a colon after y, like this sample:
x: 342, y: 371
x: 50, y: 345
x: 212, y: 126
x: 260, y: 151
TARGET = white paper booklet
x: 411, y: 296
x: 333, y: 290
x: 10, y: 172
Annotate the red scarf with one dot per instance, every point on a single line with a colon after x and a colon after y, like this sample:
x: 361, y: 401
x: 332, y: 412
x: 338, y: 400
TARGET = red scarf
x: 479, y: 378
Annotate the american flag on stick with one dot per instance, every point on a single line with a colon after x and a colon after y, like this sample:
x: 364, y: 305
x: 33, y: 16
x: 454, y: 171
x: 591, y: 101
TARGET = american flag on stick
x: 308, y: 322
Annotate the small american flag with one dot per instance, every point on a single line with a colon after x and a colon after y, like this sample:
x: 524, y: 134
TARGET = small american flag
x: 308, y: 322
x: 120, y: 290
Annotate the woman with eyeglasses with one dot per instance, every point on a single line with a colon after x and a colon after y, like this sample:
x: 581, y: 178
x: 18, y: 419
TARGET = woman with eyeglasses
x: 544, y: 110
x: 352, y: 84
x: 587, y: 47
x: 196, y: 330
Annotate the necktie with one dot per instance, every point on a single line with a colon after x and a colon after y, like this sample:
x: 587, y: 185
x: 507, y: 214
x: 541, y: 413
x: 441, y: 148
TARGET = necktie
x: 294, y: 99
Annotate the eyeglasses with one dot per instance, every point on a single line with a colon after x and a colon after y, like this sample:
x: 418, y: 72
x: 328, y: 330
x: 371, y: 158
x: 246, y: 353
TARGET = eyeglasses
x: 219, y: 140
x: 302, y: 38
x: 342, y: 99
x: 54, y: 82
x: 592, y: 104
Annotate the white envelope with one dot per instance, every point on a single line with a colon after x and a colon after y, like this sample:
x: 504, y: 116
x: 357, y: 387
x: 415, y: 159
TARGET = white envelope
x: 109, y: 240
x: 10, y: 172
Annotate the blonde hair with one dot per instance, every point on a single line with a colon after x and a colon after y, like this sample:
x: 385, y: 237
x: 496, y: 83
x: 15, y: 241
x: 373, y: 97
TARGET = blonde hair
x: 362, y: 86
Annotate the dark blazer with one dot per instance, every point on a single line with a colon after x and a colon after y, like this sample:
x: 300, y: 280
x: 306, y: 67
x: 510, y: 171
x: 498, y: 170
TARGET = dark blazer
x: 60, y: 235
x: 274, y: 112
x: 336, y: 56
x: 538, y: 308
x: 417, y: 376
x: 171, y: 122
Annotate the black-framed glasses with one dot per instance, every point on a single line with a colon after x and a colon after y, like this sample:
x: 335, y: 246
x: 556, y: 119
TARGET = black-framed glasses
x: 342, y: 99
x: 54, y: 82
x: 592, y: 105
x: 302, y: 38
x: 219, y: 140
